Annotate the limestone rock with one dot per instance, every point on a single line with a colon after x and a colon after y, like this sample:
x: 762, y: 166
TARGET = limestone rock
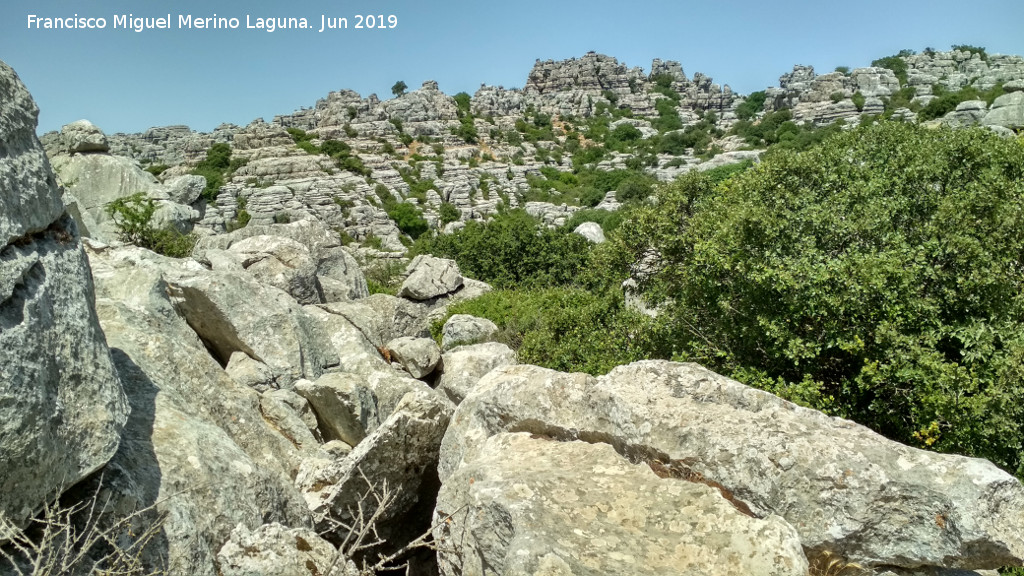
x: 591, y: 231
x: 845, y: 488
x: 282, y: 263
x: 401, y: 453
x: 340, y: 276
x: 345, y: 407
x: 82, y: 136
x: 464, y: 366
x: 250, y: 373
x: 463, y: 329
x: 419, y: 356
x: 185, y: 189
x: 289, y: 413
x: 356, y: 352
x: 430, y: 277
x: 62, y: 408
x: 276, y: 550
x: 532, y: 506
x: 1007, y: 111
x: 232, y: 312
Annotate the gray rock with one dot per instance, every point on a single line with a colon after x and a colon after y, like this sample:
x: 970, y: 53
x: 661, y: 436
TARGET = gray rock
x: 846, y: 489
x: 463, y: 367
x: 82, y: 136
x: 232, y: 312
x: 532, y: 506
x: 62, y: 408
x: 400, y: 454
x: 463, y: 329
x: 196, y: 444
x: 345, y: 407
x: 185, y: 189
x: 1007, y: 111
x: 250, y: 373
x: 430, y: 277
x: 276, y: 550
x: 419, y: 356
x: 591, y: 231
x: 356, y: 353
x: 282, y: 263
x: 340, y: 276
x: 279, y: 409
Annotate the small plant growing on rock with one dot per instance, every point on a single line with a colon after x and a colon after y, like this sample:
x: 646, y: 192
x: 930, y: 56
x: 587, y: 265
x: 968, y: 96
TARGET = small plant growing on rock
x: 133, y: 216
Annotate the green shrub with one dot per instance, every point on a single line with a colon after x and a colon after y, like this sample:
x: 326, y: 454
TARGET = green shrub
x: 449, y: 213
x: 980, y: 51
x: 215, y: 167
x: 608, y: 220
x: 895, y: 63
x: 858, y: 100
x: 408, y: 219
x: 157, y: 169
x: 751, y: 106
x: 876, y: 276
x: 133, y: 216
x: 512, y: 249
x: 282, y: 218
x: 399, y: 89
x: 568, y: 329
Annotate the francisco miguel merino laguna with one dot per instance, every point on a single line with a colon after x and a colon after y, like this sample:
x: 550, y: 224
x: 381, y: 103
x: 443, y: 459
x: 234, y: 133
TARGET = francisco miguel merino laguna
x: 191, y: 22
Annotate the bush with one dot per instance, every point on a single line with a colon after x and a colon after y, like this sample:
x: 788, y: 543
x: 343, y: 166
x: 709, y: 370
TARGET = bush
x: 858, y: 100
x: 157, y: 169
x: 133, y: 216
x: 215, y: 167
x: 895, y: 63
x: 567, y: 329
x: 399, y: 88
x: 408, y: 219
x: 877, y: 276
x: 512, y: 249
x: 751, y: 106
x: 449, y: 213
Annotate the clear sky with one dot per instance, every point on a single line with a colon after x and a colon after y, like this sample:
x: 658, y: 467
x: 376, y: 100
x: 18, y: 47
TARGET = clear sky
x: 125, y: 81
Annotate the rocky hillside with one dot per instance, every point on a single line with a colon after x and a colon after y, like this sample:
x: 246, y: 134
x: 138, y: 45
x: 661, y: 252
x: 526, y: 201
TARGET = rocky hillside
x: 253, y: 409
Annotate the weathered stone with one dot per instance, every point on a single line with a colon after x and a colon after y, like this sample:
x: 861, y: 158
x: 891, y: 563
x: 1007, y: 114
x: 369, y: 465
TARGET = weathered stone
x: 532, y: 506
x: 232, y: 312
x: 419, y: 356
x: 1007, y: 111
x: 61, y: 404
x: 282, y: 263
x: 340, y: 276
x: 400, y: 454
x: 846, y: 489
x: 276, y: 550
x: 82, y: 136
x: 287, y: 412
x: 463, y: 367
x: 463, y: 329
x: 345, y: 407
x: 591, y: 231
x: 356, y: 353
x: 248, y: 372
x: 430, y: 277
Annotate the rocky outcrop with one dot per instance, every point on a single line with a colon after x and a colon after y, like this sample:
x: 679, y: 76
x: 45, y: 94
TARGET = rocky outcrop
x: 62, y: 408
x: 463, y: 367
x: 418, y: 356
x: 527, y: 505
x: 1007, y: 111
x: 430, y: 277
x: 463, y: 329
x: 276, y: 550
x: 845, y: 489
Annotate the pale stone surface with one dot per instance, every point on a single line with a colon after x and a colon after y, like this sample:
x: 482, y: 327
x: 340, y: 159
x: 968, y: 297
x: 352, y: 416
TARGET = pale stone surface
x: 82, y: 136
x: 282, y: 263
x: 62, y: 408
x: 276, y: 550
x: 591, y: 231
x: 463, y: 329
x: 463, y: 367
x: 401, y: 453
x: 533, y: 506
x: 419, y: 356
x: 288, y: 412
x: 356, y: 353
x: 345, y: 407
x: 430, y: 277
x: 845, y: 488
x: 248, y: 372
x: 1007, y: 111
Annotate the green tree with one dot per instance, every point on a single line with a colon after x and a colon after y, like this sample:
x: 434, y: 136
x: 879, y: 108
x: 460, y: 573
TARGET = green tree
x: 399, y: 88
x: 876, y: 276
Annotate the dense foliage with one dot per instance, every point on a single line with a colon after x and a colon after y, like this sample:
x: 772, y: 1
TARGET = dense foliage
x: 877, y: 276
x: 216, y: 167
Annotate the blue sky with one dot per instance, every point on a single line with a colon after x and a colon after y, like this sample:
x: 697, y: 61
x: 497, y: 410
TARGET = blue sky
x: 125, y: 81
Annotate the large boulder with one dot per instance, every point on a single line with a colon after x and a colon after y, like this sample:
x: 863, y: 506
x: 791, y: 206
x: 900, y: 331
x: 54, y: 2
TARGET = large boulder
x: 345, y: 407
x: 463, y: 329
x: 62, y: 408
x: 430, y: 277
x: 419, y: 356
x: 463, y: 367
x: 591, y: 231
x: 532, y: 506
x: 846, y: 489
x: 83, y: 136
x: 1007, y: 111
x: 197, y: 446
x: 276, y: 550
x: 282, y: 263
x: 400, y: 455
